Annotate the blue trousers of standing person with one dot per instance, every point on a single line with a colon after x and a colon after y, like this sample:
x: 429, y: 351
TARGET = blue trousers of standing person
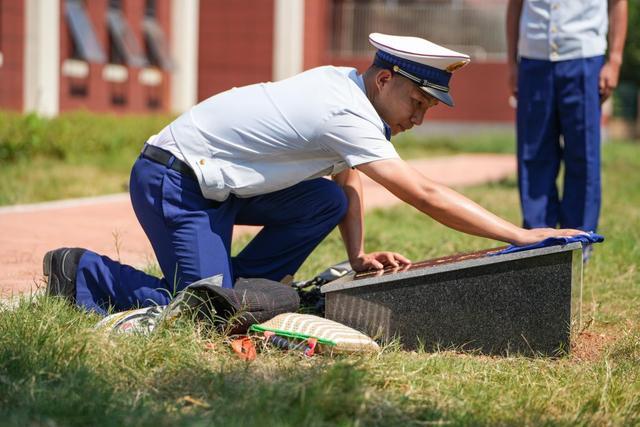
x: 191, y: 237
x: 559, y: 99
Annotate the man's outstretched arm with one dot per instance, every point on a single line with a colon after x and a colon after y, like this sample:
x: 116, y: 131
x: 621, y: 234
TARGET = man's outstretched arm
x: 352, y: 228
x: 450, y: 207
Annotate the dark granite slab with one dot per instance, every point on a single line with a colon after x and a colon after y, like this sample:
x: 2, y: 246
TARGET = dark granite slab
x: 523, y: 302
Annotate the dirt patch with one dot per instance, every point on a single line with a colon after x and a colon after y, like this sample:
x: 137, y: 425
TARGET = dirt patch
x: 588, y: 346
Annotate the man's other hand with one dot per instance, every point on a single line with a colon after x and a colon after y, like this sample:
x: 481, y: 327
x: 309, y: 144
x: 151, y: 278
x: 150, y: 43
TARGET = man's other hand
x: 608, y: 79
x: 379, y: 260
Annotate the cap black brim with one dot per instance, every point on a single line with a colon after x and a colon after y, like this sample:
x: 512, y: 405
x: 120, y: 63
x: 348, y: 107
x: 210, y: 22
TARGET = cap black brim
x: 443, y: 97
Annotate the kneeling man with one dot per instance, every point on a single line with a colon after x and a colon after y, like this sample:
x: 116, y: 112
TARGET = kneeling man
x: 257, y: 155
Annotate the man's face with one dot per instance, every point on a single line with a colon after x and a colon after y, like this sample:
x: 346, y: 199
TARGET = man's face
x: 401, y: 103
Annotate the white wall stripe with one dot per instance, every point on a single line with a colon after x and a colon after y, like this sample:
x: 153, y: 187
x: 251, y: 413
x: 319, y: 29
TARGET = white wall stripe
x: 42, y: 57
x: 184, y: 50
x: 288, y: 38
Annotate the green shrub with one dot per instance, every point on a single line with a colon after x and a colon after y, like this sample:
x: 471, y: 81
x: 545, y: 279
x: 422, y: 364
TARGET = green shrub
x: 73, y: 134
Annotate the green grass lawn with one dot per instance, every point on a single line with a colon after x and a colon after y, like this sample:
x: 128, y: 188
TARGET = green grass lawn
x: 413, y: 145
x: 56, y: 370
x: 73, y: 155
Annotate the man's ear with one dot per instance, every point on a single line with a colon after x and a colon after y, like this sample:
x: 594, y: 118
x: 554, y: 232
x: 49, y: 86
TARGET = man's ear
x: 383, y: 78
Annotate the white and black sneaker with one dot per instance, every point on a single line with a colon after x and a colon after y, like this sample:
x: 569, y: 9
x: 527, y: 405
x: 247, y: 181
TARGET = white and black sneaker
x: 60, y: 267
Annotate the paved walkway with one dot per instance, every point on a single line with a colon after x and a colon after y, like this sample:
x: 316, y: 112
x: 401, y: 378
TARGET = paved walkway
x: 108, y: 225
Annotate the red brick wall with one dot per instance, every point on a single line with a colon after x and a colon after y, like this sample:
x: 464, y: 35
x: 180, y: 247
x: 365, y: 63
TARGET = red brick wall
x: 96, y: 98
x: 479, y: 90
x: 163, y: 16
x: 316, y: 40
x: 481, y: 94
x: 12, y: 17
x: 134, y: 13
x: 235, y: 44
x: 100, y: 92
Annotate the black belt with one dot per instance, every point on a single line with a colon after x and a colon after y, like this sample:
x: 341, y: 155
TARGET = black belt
x: 167, y: 159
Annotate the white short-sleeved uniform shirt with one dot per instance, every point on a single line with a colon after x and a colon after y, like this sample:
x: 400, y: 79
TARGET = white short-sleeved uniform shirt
x: 265, y: 137
x: 558, y: 30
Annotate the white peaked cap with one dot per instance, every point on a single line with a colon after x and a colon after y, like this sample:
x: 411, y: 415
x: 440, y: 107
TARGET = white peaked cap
x: 427, y: 64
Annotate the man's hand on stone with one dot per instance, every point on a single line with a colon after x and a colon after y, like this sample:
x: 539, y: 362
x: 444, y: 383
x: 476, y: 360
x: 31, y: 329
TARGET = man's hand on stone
x: 379, y: 261
x: 535, y: 235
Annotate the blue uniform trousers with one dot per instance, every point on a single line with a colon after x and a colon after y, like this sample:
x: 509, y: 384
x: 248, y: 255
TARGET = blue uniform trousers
x: 191, y: 237
x: 554, y: 99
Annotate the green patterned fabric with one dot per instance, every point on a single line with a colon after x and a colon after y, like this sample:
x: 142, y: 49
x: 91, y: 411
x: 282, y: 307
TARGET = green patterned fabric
x: 302, y: 326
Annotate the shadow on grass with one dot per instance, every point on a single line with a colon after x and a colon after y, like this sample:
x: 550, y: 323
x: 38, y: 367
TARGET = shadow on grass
x: 56, y: 369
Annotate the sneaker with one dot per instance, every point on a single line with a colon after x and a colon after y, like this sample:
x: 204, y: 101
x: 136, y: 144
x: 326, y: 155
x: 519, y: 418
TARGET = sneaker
x: 59, y: 267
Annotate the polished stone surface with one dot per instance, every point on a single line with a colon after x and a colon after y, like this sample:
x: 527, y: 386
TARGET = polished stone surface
x: 499, y: 304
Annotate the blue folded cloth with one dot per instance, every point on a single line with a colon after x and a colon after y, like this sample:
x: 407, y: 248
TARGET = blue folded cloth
x: 585, y: 239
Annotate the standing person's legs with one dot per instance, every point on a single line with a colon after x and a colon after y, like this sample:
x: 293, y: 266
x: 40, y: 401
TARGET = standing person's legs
x: 539, y: 149
x: 190, y: 236
x: 295, y: 221
x: 580, y: 112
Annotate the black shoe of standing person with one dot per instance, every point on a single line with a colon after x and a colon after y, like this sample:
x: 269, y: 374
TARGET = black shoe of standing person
x: 60, y: 267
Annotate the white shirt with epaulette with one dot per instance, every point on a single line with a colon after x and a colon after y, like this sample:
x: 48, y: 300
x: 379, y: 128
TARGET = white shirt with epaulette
x: 558, y: 30
x: 266, y: 137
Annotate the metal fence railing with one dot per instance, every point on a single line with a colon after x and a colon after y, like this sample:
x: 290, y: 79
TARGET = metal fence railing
x: 477, y: 28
